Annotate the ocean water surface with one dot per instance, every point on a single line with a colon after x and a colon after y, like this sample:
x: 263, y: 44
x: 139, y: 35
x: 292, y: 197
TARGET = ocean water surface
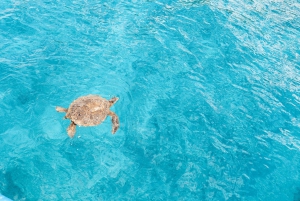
x: 209, y: 99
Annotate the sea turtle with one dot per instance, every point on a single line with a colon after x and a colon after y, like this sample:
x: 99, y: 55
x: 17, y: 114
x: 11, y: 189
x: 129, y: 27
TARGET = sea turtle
x: 89, y: 110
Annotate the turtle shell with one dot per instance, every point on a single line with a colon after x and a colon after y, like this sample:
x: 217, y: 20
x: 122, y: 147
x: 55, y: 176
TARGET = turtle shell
x: 88, y: 110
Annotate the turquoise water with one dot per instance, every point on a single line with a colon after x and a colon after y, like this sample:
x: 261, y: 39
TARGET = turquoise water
x: 209, y: 99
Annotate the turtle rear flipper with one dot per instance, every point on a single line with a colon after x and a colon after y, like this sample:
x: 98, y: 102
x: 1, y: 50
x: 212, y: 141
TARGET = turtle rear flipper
x: 115, y: 121
x: 71, y: 129
x: 61, y: 109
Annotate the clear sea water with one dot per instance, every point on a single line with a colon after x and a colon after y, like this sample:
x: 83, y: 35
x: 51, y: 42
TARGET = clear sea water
x: 209, y: 99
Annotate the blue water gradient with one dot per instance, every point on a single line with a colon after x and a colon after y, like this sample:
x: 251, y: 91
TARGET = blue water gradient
x: 209, y: 99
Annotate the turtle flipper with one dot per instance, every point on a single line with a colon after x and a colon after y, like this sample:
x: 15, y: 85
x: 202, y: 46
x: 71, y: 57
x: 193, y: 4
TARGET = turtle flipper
x: 113, y: 101
x: 71, y: 129
x: 115, y: 121
x: 61, y: 109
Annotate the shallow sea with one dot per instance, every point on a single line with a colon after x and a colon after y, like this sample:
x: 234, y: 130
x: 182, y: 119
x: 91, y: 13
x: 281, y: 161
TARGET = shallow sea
x: 209, y: 99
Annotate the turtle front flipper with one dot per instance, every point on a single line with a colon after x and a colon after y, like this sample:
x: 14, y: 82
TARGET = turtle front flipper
x: 113, y: 101
x: 61, y: 109
x: 115, y: 121
x: 71, y: 129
